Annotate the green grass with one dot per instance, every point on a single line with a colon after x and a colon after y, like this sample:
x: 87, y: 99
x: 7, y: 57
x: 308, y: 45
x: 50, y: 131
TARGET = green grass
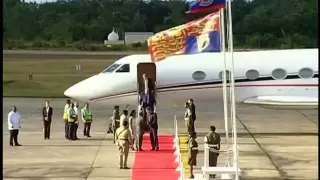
x: 50, y: 77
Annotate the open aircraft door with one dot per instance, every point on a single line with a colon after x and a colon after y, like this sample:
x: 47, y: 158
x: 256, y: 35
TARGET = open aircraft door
x: 150, y: 70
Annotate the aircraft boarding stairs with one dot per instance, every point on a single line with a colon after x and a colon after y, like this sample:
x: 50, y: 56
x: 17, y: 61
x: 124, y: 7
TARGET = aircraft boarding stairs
x: 181, y: 153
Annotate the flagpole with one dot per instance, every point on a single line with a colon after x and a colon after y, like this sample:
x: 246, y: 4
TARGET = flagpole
x: 232, y: 86
x: 225, y: 93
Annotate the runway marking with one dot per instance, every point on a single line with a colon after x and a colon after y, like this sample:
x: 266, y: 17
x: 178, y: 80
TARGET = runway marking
x: 95, y: 157
x: 307, y: 117
x: 281, y: 172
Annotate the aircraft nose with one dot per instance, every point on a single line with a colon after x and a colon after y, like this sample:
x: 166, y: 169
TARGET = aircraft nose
x: 77, y: 91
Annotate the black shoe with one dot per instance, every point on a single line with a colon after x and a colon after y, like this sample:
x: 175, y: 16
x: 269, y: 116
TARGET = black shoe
x: 191, y: 177
x: 152, y: 149
x: 126, y: 167
x: 11, y: 144
x: 17, y: 145
x: 121, y: 167
x: 89, y: 136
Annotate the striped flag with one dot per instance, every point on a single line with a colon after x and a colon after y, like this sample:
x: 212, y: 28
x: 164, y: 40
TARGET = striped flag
x: 204, y: 5
x: 201, y: 35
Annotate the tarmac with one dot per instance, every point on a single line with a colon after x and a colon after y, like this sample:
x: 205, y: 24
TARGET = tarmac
x: 274, y: 144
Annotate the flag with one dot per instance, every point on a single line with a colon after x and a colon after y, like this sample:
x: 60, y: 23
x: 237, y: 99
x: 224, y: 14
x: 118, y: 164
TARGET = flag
x: 203, y: 5
x: 201, y: 35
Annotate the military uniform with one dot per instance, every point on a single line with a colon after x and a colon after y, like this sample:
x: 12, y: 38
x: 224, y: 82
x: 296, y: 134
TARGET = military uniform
x: 188, y: 120
x: 115, y: 122
x: 213, y: 138
x: 123, y: 141
x: 192, y: 152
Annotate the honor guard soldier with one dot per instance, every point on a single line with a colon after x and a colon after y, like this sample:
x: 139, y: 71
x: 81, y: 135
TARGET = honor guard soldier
x: 14, y: 124
x: 72, y: 117
x: 115, y: 121
x: 188, y: 118
x: 87, y: 119
x: 123, y: 142
x: 192, y: 152
x: 76, y: 122
x: 65, y: 119
x: 213, y: 138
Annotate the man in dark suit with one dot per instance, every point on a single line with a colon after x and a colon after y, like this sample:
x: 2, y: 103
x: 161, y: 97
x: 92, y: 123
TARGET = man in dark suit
x: 148, y: 83
x: 147, y: 99
x: 153, y: 128
x: 193, y: 112
x: 47, y: 112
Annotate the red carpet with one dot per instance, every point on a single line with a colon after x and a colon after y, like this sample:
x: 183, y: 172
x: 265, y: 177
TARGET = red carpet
x: 155, y: 165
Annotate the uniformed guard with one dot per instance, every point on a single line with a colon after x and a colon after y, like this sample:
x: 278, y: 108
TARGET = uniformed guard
x: 123, y: 141
x: 188, y: 118
x: 192, y: 152
x: 115, y: 121
x: 76, y: 122
x: 65, y: 119
x: 87, y: 119
x: 71, y: 121
x: 213, y: 138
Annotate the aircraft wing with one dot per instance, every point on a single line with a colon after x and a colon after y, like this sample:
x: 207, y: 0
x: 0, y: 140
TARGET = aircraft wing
x: 284, y: 101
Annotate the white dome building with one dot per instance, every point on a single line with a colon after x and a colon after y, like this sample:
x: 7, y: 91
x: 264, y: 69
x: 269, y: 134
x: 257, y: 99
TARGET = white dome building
x: 113, y: 36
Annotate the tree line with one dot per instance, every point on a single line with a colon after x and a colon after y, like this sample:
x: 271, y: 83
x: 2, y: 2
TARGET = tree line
x: 84, y: 24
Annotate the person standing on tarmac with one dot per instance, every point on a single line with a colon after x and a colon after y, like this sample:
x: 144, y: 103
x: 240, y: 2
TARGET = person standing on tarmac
x: 65, y: 119
x: 87, y: 119
x: 213, y: 138
x: 132, y: 127
x: 115, y: 121
x: 124, y: 116
x: 76, y: 123
x: 141, y: 128
x: 123, y: 141
x: 71, y: 121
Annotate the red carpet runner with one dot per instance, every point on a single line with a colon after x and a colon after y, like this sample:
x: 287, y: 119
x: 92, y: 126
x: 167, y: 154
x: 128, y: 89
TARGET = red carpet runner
x: 155, y: 165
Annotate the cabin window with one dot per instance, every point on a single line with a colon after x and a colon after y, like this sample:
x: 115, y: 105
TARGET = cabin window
x: 279, y: 74
x: 111, y: 68
x: 252, y: 74
x: 306, y: 73
x: 124, y: 69
x: 228, y: 74
x: 199, y: 75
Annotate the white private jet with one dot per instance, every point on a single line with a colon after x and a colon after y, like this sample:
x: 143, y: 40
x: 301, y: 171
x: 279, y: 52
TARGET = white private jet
x: 273, y: 78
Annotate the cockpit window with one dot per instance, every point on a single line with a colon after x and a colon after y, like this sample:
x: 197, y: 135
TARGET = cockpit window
x: 124, y: 69
x: 111, y: 68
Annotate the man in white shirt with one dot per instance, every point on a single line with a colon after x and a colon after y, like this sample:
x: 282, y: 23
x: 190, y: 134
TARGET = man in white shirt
x: 14, y: 124
x: 78, y: 114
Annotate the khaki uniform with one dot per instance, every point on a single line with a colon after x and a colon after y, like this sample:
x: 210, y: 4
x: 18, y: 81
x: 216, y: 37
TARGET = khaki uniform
x: 115, y: 122
x: 192, y: 152
x: 213, y: 138
x: 123, y: 141
x: 188, y: 120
